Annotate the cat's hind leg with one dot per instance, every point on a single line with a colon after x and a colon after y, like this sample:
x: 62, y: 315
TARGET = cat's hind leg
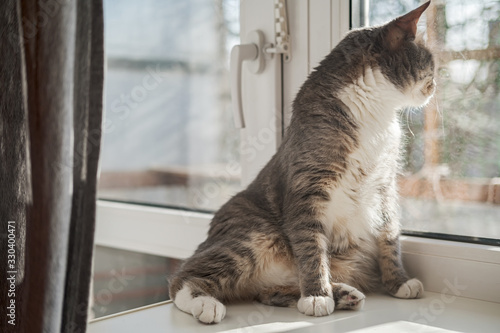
x: 205, y: 308
x: 204, y: 281
x: 214, y: 274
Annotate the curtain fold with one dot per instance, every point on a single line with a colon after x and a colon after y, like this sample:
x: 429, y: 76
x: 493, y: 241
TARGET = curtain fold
x: 51, y: 68
x: 14, y: 179
x: 88, y: 92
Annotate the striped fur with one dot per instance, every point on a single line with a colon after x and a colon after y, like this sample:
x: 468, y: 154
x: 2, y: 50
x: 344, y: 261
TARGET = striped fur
x: 319, y: 225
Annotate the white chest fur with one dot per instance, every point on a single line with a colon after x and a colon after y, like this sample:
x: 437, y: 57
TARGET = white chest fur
x: 353, y: 211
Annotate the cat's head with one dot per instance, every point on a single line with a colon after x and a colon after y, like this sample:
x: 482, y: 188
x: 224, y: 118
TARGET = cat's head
x: 407, y: 63
x: 393, y: 49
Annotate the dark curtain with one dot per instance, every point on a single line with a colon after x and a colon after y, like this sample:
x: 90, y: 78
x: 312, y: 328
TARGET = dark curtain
x: 51, y: 92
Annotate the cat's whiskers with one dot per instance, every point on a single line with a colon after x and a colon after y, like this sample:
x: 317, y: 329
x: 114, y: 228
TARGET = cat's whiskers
x: 438, y: 109
x: 408, y: 112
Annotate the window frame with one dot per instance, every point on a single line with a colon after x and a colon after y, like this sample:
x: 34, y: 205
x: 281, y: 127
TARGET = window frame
x: 159, y: 231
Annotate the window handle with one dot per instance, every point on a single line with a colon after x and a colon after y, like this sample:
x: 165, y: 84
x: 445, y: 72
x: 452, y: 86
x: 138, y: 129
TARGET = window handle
x: 253, y: 56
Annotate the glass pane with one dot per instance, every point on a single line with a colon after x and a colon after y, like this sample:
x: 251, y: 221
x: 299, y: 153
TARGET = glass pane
x: 125, y: 280
x: 451, y: 181
x: 169, y: 137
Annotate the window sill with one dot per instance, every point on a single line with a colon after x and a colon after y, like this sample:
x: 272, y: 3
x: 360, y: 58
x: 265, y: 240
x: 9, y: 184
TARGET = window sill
x: 434, y: 313
x: 438, y: 264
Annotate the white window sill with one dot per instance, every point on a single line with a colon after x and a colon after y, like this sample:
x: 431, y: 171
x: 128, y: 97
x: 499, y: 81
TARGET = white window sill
x: 434, y: 313
x: 176, y: 234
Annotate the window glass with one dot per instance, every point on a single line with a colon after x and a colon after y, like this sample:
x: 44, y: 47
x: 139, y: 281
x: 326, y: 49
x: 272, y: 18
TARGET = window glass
x: 169, y: 137
x: 451, y: 183
x: 125, y: 280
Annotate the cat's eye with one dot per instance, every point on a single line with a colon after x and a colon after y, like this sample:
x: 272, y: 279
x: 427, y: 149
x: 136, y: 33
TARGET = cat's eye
x: 443, y: 72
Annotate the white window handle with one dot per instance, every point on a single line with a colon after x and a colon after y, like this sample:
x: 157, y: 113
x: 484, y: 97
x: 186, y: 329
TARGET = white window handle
x: 253, y: 55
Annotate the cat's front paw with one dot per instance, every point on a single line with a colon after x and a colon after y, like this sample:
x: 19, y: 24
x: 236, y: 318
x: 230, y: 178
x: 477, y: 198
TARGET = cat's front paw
x: 347, y: 297
x: 410, y: 289
x: 207, y: 309
x: 316, y: 305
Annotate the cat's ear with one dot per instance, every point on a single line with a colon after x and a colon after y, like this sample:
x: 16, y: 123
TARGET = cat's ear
x: 404, y: 27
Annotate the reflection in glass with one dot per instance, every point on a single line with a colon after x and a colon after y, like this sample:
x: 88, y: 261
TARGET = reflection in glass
x: 169, y: 137
x: 124, y: 280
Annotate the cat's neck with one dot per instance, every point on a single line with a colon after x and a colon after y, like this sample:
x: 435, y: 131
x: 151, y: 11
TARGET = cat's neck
x: 372, y: 97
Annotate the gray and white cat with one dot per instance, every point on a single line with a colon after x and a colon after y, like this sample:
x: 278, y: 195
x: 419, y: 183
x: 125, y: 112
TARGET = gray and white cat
x: 319, y: 224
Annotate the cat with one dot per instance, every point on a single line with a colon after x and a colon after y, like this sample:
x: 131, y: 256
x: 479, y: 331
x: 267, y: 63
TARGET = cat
x: 319, y: 227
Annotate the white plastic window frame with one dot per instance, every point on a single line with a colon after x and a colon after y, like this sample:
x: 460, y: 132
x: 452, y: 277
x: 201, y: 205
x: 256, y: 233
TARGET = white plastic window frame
x: 450, y: 268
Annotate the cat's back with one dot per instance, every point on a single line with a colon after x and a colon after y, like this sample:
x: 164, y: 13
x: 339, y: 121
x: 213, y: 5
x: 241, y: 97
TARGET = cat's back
x: 258, y: 208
